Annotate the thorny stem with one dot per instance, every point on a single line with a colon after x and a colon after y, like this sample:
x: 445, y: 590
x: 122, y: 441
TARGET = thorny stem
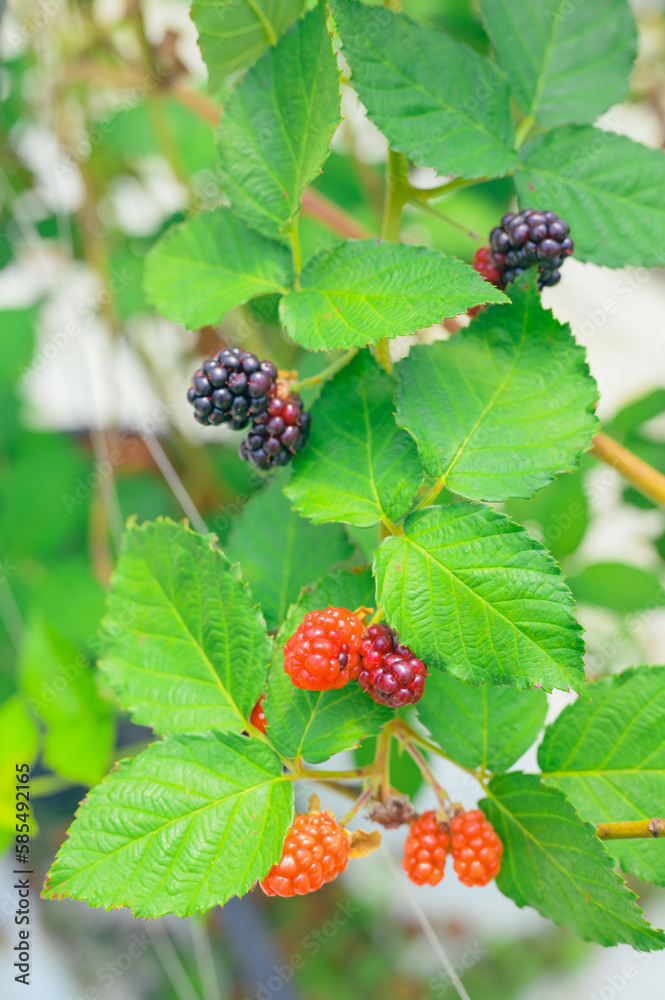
x: 641, y: 828
x: 642, y: 476
x: 325, y: 373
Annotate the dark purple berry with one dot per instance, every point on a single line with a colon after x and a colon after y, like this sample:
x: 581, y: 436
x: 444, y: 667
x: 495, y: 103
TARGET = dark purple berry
x: 202, y: 406
x: 250, y: 363
x: 290, y: 436
x: 201, y: 385
x: 217, y: 376
x: 519, y: 235
x: 240, y: 406
x: 276, y: 425
x: 258, y: 384
x: 191, y: 395
x: 237, y: 383
x: 269, y: 368
x: 548, y: 249
x: 222, y: 399
x: 216, y: 417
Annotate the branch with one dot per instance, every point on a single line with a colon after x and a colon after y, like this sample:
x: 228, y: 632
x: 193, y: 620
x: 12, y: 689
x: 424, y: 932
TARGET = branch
x: 332, y: 216
x: 639, y: 474
x: 642, y: 828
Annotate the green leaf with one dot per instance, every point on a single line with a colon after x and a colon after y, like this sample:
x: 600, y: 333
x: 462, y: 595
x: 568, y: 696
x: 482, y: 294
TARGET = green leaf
x: 59, y: 686
x: 280, y: 552
x: 554, y: 862
x: 565, y: 62
x: 18, y: 333
x: 510, y: 401
x: 276, y: 128
x: 344, y: 588
x: 179, y: 623
x: 486, y: 726
x: 234, y: 34
x: 608, y: 756
x: 610, y: 190
x: 316, y: 724
x: 437, y: 101
x: 202, y: 268
x: 20, y: 740
x: 472, y: 593
x: 364, y: 290
x: 358, y: 466
x: 200, y: 816
x: 617, y: 586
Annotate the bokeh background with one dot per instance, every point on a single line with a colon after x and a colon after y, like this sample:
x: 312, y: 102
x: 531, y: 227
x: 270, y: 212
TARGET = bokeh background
x: 105, y: 142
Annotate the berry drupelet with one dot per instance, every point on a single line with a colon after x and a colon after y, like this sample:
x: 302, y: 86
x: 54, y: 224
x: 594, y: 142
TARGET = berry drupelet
x: 258, y: 718
x: 276, y: 434
x: 476, y: 848
x: 390, y: 672
x: 232, y: 387
x: 324, y: 651
x: 316, y: 850
x: 522, y: 240
x: 426, y: 850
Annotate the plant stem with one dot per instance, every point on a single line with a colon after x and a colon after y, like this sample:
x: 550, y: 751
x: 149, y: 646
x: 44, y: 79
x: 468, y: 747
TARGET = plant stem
x: 382, y: 354
x: 396, y: 195
x: 426, y: 194
x: 639, y: 828
x: 441, y: 794
x: 205, y: 961
x: 523, y: 131
x: 331, y: 215
x: 352, y: 775
x: 407, y: 733
x: 433, y: 493
x: 357, y: 805
x: 294, y: 236
x: 639, y: 474
x: 325, y: 373
x: 381, y: 765
x: 426, y: 207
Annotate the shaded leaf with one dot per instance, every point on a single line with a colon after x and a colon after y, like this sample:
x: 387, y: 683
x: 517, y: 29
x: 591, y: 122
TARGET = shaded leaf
x: 617, y: 586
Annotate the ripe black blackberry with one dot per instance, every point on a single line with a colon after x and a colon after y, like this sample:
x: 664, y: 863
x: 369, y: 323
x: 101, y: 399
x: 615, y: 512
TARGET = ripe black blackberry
x: 527, y: 239
x: 232, y: 387
x: 276, y: 435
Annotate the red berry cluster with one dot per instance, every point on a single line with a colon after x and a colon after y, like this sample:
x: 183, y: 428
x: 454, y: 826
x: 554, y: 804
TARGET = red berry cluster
x: 469, y: 837
x: 390, y: 673
x: 324, y: 651
x: 316, y: 850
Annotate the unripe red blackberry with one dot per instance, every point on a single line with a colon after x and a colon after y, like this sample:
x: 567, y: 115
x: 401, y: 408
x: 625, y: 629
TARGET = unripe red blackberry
x: 231, y: 387
x: 316, y: 850
x: 277, y: 434
x: 390, y: 672
x: 258, y: 718
x: 476, y: 848
x: 426, y: 850
x: 324, y: 651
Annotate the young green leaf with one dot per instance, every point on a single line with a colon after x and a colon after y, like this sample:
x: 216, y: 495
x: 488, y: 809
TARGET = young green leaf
x: 188, y: 649
x: 344, y: 588
x: 59, y: 686
x: 280, y: 552
x: 358, y: 466
x: 609, y: 189
x: 203, y: 267
x: 510, y: 401
x: 437, y: 101
x: 364, y: 290
x: 565, y: 62
x: 234, y: 33
x: 608, y: 756
x: 554, y: 862
x: 20, y: 741
x: 201, y: 817
x: 486, y: 726
x: 472, y: 593
x: 316, y: 724
x: 276, y: 128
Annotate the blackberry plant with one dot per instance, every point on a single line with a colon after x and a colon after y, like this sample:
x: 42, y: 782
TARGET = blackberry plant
x: 378, y: 588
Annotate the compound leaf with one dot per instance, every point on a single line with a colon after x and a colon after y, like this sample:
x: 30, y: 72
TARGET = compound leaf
x: 436, y: 100
x: 608, y: 756
x: 510, y: 401
x: 280, y: 552
x: 275, y: 131
x: 564, y: 62
x: 178, y: 624
x: 486, y: 726
x: 472, y: 593
x: 203, y: 267
x: 364, y: 290
x: 184, y: 826
x: 358, y: 466
x: 610, y: 190
x: 234, y: 34
x: 554, y: 862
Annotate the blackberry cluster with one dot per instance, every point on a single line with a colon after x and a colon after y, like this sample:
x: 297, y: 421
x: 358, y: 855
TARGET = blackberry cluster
x: 390, y: 672
x: 232, y: 387
x: 523, y: 240
x: 276, y: 434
